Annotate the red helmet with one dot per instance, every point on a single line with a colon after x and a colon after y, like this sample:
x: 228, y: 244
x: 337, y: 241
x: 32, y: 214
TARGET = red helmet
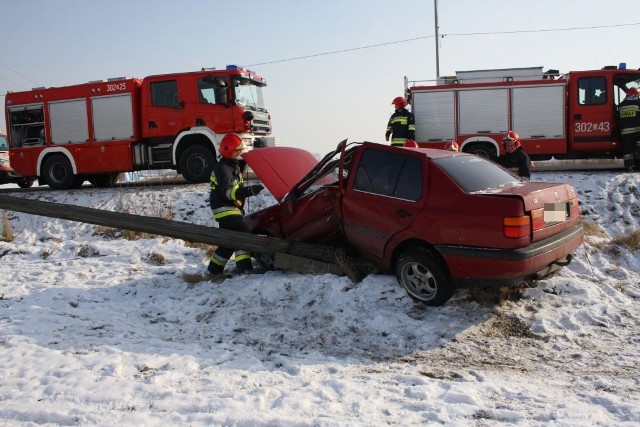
x: 452, y: 146
x: 410, y: 143
x: 399, y: 102
x: 512, y: 136
x: 632, y: 91
x: 231, y: 143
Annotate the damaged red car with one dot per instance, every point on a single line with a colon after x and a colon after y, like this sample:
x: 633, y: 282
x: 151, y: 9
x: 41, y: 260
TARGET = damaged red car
x: 434, y: 218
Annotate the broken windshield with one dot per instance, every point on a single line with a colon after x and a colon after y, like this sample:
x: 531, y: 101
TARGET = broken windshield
x: 248, y: 94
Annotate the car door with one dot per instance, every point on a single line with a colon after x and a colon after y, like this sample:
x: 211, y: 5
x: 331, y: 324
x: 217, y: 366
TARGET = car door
x: 383, y: 198
x: 314, y: 217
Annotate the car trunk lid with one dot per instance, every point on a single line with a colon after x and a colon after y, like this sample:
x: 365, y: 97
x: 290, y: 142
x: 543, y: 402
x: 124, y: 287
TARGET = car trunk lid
x: 551, y: 208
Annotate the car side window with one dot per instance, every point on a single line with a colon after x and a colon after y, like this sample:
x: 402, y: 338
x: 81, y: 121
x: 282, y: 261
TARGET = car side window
x: 389, y: 174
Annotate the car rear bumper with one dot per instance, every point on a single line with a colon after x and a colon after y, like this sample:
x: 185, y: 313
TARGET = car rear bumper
x: 512, y: 266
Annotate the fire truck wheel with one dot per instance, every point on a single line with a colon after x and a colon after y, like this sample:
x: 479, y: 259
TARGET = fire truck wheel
x: 58, y: 173
x: 196, y: 163
x: 482, y: 150
x: 25, y: 183
x: 104, y: 180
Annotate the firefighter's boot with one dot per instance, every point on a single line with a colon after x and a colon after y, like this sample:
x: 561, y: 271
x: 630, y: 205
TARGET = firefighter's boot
x: 246, y: 267
x: 628, y: 165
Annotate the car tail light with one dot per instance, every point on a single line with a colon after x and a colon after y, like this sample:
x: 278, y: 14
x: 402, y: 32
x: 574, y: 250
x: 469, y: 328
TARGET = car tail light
x: 537, y: 218
x: 517, y: 227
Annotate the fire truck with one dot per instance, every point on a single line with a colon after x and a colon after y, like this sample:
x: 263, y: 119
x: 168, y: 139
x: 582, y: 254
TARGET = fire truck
x: 564, y: 116
x: 63, y: 136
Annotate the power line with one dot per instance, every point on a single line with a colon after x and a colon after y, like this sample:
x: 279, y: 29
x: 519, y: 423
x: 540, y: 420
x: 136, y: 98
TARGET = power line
x: 341, y: 51
x: 597, y: 27
x: 18, y: 73
x: 442, y: 36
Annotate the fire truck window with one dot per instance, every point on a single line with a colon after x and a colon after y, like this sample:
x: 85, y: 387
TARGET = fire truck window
x: 212, y: 91
x: 164, y: 94
x: 592, y: 91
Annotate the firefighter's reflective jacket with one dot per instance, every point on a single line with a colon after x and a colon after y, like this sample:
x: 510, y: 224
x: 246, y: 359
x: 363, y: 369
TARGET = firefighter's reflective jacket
x: 402, y: 126
x: 227, y: 192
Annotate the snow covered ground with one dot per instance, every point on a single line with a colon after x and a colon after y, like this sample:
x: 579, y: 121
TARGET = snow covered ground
x: 99, y: 329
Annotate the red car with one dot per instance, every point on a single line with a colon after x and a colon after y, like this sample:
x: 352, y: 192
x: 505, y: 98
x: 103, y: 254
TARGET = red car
x: 434, y: 218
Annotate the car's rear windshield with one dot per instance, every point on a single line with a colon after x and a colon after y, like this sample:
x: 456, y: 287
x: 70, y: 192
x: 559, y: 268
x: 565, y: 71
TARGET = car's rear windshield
x: 473, y: 173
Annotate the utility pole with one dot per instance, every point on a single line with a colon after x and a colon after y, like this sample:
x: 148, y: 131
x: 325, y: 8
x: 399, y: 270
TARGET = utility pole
x: 435, y: 8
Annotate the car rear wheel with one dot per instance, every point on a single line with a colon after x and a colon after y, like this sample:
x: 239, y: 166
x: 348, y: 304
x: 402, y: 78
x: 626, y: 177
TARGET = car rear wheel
x: 424, y: 277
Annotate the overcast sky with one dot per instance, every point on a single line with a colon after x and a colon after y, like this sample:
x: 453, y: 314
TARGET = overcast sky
x: 352, y: 55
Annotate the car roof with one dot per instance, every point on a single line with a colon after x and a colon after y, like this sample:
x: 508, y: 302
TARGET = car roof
x: 282, y: 168
x: 430, y: 153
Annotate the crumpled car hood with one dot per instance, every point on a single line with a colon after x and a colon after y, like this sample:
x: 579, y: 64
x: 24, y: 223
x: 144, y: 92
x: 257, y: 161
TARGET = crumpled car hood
x: 280, y: 168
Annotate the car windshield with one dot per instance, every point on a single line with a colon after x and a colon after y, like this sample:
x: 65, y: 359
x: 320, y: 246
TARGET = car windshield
x: 248, y: 94
x: 325, y: 172
x: 3, y: 143
x: 473, y: 173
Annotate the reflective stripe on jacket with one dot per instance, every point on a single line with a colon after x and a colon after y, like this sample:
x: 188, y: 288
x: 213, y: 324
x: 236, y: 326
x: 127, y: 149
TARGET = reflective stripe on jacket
x: 402, y: 125
x: 629, y: 116
x: 227, y: 193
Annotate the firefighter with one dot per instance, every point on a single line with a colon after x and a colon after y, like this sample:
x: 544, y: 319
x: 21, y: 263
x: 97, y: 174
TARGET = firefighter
x: 227, y: 199
x: 629, y: 125
x: 515, y: 159
x: 452, y: 146
x: 402, y: 124
x: 411, y: 143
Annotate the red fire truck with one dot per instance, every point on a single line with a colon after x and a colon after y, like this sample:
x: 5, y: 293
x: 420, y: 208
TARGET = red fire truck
x: 93, y: 131
x: 565, y: 116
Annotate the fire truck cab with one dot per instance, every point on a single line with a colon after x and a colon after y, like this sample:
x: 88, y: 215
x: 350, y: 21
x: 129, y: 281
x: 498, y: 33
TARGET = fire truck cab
x: 566, y: 116
x: 94, y: 131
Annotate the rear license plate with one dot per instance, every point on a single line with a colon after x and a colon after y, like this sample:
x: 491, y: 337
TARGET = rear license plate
x: 556, y: 212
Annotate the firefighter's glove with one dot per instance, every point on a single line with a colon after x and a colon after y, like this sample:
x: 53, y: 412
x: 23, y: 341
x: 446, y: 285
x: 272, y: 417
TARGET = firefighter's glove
x: 254, y: 190
x: 386, y: 136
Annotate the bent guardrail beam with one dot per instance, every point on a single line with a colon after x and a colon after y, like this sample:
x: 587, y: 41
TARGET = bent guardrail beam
x: 178, y: 230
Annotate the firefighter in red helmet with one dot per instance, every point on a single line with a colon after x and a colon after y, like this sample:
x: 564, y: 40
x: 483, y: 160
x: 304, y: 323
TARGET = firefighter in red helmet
x: 411, y: 143
x: 402, y: 124
x: 515, y: 159
x: 227, y: 199
x: 452, y: 146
